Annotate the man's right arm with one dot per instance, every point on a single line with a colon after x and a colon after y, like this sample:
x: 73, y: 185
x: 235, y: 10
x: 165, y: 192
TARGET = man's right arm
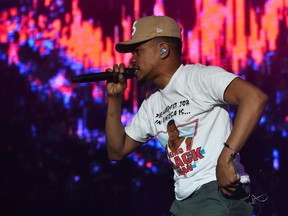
x: 119, y: 144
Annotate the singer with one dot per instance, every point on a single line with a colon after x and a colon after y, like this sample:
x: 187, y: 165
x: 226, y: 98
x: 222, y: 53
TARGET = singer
x: 203, y: 145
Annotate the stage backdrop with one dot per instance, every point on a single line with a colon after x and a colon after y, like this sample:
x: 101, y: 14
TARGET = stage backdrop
x: 52, y: 130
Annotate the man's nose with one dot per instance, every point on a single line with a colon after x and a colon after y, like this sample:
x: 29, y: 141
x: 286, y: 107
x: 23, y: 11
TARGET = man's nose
x: 132, y: 59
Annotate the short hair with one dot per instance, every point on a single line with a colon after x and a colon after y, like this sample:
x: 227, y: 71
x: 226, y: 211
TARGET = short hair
x: 171, y: 122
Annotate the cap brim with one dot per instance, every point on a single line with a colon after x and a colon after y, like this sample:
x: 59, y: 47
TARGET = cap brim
x: 130, y: 45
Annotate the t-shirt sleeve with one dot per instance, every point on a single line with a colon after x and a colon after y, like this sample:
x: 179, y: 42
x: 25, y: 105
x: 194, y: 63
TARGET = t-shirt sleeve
x: 139, y: 129
x: 211, y: 83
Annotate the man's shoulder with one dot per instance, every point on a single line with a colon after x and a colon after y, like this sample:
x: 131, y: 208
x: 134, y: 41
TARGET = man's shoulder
x: 191, y: 68
x: 200, y: 69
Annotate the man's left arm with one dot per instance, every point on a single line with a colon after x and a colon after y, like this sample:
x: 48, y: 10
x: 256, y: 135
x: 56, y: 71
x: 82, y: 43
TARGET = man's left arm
x: 251, y: 102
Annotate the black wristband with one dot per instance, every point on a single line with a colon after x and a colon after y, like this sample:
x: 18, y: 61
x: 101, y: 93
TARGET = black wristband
x: 233, y: 154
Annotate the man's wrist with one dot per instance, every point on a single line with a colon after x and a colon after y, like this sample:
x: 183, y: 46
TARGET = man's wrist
x: 233, y: 152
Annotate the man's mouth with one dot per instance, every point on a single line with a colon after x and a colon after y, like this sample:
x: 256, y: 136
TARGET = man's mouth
x: 136, y: 69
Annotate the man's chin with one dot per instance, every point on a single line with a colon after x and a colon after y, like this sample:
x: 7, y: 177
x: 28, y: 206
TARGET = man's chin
x: 141, y: 83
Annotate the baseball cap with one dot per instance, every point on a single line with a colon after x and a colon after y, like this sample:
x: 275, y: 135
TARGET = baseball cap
x: 147, y: 28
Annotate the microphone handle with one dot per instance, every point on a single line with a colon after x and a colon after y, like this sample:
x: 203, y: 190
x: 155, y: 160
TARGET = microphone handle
x: 109, y: 76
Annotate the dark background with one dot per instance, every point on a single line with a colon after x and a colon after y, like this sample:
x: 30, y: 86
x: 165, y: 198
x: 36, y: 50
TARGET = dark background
x: 48, y: 170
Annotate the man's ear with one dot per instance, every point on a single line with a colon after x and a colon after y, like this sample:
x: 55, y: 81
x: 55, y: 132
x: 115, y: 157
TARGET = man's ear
x: 164, y: 50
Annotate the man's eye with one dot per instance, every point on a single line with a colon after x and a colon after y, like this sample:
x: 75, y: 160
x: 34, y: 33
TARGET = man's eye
x: 137, y: 51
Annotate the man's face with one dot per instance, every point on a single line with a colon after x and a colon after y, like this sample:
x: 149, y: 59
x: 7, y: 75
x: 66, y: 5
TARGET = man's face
x: 173, y: 132
x: 144, y: 59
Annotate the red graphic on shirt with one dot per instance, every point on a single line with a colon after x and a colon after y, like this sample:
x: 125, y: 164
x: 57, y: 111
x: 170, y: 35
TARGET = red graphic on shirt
x: 179, y: 150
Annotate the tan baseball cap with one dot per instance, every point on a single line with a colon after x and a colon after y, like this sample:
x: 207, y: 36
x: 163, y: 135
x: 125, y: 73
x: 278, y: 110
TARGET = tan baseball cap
x: 147, y: 28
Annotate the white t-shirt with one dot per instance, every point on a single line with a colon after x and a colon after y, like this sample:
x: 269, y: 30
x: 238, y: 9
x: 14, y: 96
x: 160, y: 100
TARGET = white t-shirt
x: 194, y: 99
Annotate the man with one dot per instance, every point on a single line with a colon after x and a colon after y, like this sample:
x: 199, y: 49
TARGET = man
x: 196, y: 97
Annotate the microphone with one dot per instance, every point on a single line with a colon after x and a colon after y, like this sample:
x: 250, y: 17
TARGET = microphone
x: 109, y: 76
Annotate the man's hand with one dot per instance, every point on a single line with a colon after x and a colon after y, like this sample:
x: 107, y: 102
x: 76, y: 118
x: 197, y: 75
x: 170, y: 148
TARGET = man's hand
x: 227, y: 177
x: 116, y: 89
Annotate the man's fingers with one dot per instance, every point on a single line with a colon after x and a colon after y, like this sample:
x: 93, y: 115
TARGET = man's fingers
x: 121, y: 68
x: 121, y: 78
x: 115, y: 68
x: 237, y: 180
x: 228, y: 191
